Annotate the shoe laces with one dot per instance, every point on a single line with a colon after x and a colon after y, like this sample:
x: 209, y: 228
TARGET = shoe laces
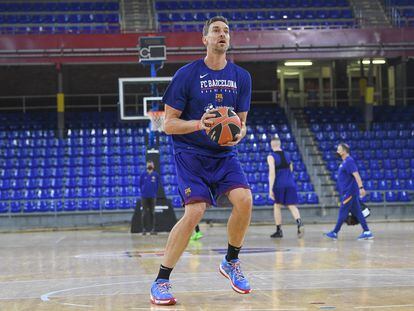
x: 237, y: 270
x: 163, y: 288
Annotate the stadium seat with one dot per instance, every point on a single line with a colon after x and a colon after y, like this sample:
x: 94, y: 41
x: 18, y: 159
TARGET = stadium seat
x: 391, y: 196
x: 376, y: 197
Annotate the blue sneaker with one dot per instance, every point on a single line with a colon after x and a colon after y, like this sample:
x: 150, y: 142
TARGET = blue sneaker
x: 160, y: 293
x: 332, y: 235
x: 366, y: 235
x: 232, y: 271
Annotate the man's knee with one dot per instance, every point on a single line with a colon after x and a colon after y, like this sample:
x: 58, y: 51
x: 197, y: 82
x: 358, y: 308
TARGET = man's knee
x: 194, y: 213
x: 242, y: 199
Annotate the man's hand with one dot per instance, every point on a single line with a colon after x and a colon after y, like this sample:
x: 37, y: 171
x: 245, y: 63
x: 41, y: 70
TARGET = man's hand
x: 205, y: 121
x: 238, y: 137
x: 271, y: 195
x: 362, y: 192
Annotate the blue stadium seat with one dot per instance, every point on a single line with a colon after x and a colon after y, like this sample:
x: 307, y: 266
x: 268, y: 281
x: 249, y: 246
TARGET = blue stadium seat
x: 4, y: 207
x: 376, y: 197
x: 391, y: 196
x: 176, y: 201
x: 259, y: 200
x: 403, y: 196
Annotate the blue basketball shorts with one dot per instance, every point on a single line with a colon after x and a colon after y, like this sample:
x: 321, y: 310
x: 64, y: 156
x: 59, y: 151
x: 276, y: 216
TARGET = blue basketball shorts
x: 203, y: 179
x: 286, y: 195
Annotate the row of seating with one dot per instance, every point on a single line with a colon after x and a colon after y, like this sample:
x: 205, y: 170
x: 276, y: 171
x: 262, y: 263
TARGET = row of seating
x: 256, y: 15
x: 376, y: 135
x: 401, y: 2
x: 59, y: 19
x: 351, y: 127
x: 388, y: 196
x: 102, y: 171
x: 133, y: 131
x: 78, y: 143
x: 58, y: 6
x: 85, y: 29
x: 286, y: 25
x: 394, y: 184
x: 379, y: 174
x: 59, y: 205
x: 361, y: 153
x: 70, y: 193
x: 246, y: 4
x: 66, y: 156
x: 385, y: 164
x: 73, y: 181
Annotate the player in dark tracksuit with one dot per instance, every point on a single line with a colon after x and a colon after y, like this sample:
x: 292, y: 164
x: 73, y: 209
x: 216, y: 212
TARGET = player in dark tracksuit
x: 282, y: 187
x: 205, y: 169
x: 149, y: 183
x: 350, y: 189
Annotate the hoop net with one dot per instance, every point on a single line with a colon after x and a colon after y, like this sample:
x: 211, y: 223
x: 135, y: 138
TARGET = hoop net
x: 157, y: 120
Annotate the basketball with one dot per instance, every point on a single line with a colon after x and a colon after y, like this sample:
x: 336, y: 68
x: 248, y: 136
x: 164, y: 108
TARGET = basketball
x: 226, y: 125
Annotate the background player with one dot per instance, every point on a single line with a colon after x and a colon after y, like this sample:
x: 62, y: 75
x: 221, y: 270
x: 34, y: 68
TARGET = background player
x: 204, y: 168
x: 350, y: 188
x: 282, y: 187
x: 197, y: 235
x: 149, y: 183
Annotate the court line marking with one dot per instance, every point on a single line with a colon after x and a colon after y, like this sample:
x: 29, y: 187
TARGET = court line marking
x: 76, y: 305
x: 45, y: 297
x: 150, y: 276
x: 61, y: 239
x: 296, y: 309
x: 384, y: 306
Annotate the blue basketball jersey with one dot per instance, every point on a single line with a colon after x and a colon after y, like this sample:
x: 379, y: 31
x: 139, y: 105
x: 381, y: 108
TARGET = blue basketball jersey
x: 347, y: 184
x: 284, y: 177
x: 149, y: 184
x: 196, y: 88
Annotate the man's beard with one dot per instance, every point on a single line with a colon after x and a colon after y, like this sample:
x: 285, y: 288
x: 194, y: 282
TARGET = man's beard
x: 221, y: 50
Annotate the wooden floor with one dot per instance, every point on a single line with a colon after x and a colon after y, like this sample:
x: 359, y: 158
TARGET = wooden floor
x: 113, y: 270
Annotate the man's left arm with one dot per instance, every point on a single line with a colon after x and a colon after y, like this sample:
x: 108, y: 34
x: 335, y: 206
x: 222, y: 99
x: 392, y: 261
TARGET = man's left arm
x: 358, y: 179
x: 243, y: 131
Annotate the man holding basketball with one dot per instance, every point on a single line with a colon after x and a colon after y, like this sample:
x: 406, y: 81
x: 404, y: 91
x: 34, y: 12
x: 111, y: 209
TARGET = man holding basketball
x: 206, y: 169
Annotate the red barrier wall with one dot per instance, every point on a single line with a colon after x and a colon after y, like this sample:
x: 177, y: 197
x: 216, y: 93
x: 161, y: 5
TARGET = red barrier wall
x: 182, y: 47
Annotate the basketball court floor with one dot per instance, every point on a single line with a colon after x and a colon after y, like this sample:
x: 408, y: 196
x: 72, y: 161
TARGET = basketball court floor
x: 111, y: 269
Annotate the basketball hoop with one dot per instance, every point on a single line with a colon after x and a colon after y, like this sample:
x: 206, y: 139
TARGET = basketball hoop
x: 157, y: 120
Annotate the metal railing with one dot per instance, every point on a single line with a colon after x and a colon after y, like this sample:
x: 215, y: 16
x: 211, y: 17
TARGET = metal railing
x: 97, y: 102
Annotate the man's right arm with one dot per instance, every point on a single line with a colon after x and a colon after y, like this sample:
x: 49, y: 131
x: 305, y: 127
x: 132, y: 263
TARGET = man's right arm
x: 174, y: 125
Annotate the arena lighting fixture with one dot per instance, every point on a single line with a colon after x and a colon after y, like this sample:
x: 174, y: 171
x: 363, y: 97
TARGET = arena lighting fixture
x: 298, y: 63
x: 375, y: 61
x: 284, y: 16
x: 291, y: 73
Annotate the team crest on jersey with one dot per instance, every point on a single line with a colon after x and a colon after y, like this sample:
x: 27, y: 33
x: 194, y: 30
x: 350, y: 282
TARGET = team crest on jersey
x: 187, y: 191
x: 219, y: 97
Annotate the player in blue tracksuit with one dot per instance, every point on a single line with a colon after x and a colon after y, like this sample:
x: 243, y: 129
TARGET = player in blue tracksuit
x: 149, y: 183
x: 350, y: 189
x: 204, y: 168
x: 282, y: 187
